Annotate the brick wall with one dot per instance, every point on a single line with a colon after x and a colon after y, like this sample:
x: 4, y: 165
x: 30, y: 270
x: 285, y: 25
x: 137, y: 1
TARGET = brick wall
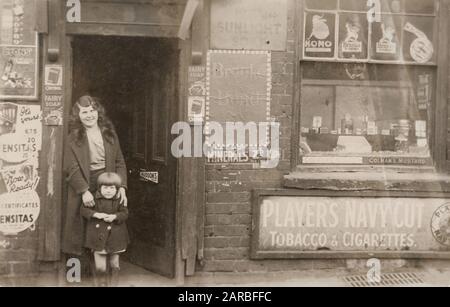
x: 17, y: 255
x: 229, y: 186
x: 228, y: 217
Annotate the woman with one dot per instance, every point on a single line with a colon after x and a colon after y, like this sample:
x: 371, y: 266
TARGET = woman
x: 92, y: 149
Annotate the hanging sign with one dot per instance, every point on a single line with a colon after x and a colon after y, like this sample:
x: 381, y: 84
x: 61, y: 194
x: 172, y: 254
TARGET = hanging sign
x: 319, y: 35
x: 18, y: 50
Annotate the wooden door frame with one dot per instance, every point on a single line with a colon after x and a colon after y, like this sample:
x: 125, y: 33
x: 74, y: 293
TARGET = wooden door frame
x: 184, y: 166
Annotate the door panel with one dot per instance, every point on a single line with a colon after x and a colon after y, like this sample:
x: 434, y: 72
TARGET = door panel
x: 153, y: 205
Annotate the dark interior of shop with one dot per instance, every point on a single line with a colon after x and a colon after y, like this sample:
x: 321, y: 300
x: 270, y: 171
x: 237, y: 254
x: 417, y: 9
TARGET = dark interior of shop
x: 116, y: 70
x: 135, y: 79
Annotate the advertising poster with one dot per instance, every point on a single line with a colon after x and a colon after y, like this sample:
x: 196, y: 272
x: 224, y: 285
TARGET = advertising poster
x: 239, y: 86
x: 418, y: 40
x: 353, y: 34
x: 424, y: 93
x: 53, y: 95
x: 197, y: 94
x: 319, y: 36
x: 386, y: 39
x: 238, y: 93
x: 351, y: 224
x: 18, y: 50
x: 18, y: 211
x: 249, y: 24
x: 20, y: 143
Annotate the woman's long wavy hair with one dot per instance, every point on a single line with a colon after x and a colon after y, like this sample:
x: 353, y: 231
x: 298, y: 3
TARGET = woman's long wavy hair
x: 77, y: 129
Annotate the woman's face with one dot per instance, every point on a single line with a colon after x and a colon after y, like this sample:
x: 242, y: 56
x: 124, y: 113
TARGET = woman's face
x: 88, y: 116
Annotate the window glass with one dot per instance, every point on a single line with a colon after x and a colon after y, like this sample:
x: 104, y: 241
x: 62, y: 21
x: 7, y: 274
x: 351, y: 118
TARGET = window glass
x: 369, y: 112
x: 353, y: 5
x: 321, y: 4
x: 391, y: 31
x: 368, y: 81
x: 420, y: 6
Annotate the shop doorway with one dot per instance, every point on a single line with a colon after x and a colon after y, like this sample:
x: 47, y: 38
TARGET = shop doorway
x: 137, y: 82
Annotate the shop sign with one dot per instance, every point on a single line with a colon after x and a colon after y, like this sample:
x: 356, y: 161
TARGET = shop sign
x: 319, y: 39
x: 288, y: 226
x: 18, y: 50
x: 249, y: 24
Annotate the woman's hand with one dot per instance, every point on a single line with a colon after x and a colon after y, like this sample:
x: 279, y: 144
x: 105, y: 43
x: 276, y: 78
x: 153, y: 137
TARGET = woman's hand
x: 123, y: 197
x: 88, y: 199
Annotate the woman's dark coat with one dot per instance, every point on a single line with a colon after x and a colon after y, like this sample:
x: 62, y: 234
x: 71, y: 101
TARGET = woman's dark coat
x: 76, y: 167
x: 103, y: 236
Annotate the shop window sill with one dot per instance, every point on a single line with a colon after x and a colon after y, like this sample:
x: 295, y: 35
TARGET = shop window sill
x: 367, y: 178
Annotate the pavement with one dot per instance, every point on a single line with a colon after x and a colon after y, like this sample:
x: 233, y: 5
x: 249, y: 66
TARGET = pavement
x: 134, y: 276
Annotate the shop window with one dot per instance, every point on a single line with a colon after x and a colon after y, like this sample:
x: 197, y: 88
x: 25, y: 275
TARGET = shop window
x: 367, y: 86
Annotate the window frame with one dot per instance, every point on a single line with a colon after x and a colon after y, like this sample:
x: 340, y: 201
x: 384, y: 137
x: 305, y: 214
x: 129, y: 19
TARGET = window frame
x: 439, y: 116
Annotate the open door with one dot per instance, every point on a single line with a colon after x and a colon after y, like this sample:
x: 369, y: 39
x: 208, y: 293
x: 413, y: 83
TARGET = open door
x: 152, y: 167
x: 137, y: 81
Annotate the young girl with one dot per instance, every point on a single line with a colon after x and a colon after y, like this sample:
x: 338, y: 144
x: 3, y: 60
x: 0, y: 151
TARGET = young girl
x: 106, y: 231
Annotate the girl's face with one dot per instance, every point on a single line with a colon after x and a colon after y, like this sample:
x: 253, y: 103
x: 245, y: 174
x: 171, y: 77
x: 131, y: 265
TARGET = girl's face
x: 108, y: 191
x: 88, y: 116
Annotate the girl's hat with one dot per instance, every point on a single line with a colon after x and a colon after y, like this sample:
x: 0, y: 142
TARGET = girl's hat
x: 109, y: 178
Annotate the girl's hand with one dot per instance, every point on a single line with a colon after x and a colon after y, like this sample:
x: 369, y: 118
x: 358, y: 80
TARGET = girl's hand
x: 100, y: 216
x: 88, y: 199
x: 123, y: 197
x: 110, y: 218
